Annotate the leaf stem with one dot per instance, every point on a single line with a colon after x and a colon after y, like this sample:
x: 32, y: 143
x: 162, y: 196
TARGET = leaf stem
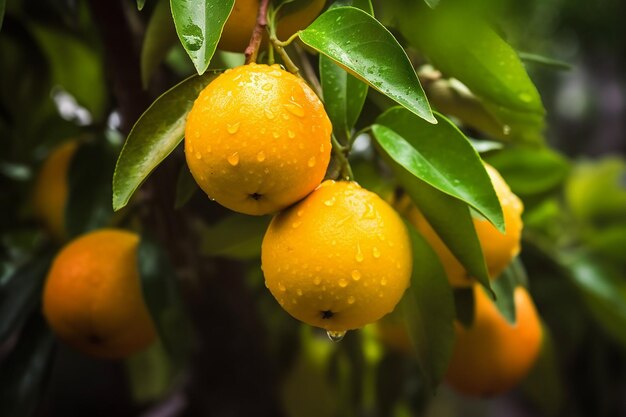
x: 252, y: 51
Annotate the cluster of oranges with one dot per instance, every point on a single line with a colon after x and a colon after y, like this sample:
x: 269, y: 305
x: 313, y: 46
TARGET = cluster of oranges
x: 335, y: 255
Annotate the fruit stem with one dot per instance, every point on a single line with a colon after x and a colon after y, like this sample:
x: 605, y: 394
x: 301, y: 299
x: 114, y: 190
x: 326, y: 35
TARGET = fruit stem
x: 252, y: 51
x: 291, y: 67
x: 339, y: 153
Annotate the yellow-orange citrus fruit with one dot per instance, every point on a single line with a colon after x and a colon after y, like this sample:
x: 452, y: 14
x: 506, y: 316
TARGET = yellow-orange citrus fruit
x: 92, y: 296
x: 240, y: 24
x: 339, y: 259
x: 51, y: 189
x: 257, y: 139
x: 492, y: 356
x: 498, y: 248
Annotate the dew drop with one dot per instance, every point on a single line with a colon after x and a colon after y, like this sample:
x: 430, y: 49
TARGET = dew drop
x: 356, y: 275
x: 295, y: 109
x: 335, y: 336
x: 317, y: 280
x: 370, y: 213
x: 291, y: 134
x: 267, y: 86
x: 269, y: 114
x: 197, y: 134
x: 506, y: 129
x: 208, y: 149
x: 322, y: 148
x: 300, y: 213
x: 299, y: 292
x: 351, y: 300
x: 383, y: 282
x: 376, y: 252
x: 296, y: 224
x: 343, y: 283
x: 359, y: 253
x: 233, y: 159
x: 330, y: 202
x: 281, y: 287
x: 232, y: 129
x: 260, y: 156
x: 276, y: 135
x: 198, y: 155
x: 311, y: 162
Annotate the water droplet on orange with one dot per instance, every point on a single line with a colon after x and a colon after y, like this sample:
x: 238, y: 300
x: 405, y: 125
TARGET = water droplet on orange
x: 233, y: 159
x: 269, y: 114
x: 281, y: 287
x: 317, y: 280
x: 351, y: 300
x: 295, y: 109
x: 376, y: 252
x: 356, y: 275
x: 343, y: 283
x: 198, y: 155
x: 359, y: 254
x: 311, y: 162
x: 260, y: 156
x: 291, y: 134
x: 233, y: 128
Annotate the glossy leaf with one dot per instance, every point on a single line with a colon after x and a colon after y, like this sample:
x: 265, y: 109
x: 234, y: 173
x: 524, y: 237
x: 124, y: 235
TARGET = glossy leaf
x: 160, y: 37
x: 236, y: 236
x: 150, y: 374
x: 199, y: 26
x: 545, y: 61
x: 530, y: 171
x: 155, y: 135
x: 504, y: 288
x: 140, y: 4
x: 462, y: 44
x: 160, y: 290
x: 366, y: 49
x: 23, y: 373
x: 89, y: 179
x: 428, y: 306
x: 20, y: 293
x: 186, y: 187
x: 441, y: 156
x: 432, y: 3
x: 452, y: 221
x: 85, y: 78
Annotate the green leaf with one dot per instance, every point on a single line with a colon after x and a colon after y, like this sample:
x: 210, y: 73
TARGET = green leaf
x: 462, y: 44
x: 20, y: 294
x: 366, y: 49
x: 596, y: 192
x: 24, y: 372
x: 160, y: 37
x: 155, y: 135
x: 428, y: 307
x: 504, y: 288
x: 530, y: 171
x: 604, y: 292
x: 88, y: 205
x: 432, y: 3
x: 199, y: 26
x: 76, y: 66
x: 441, y: 156
x: 544, y: 383
x: 545, y: 61
x: 236, y: 236
x: 161, y: 292
x: 344, y: 97
x: 344, y: 94
x: 464, y: 305
x: 140, y: 4
x: 452, y: 221
x: 150, y: 374
x: 185, y: 187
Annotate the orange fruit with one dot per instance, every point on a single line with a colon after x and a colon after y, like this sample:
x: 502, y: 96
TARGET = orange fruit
x: 240, y: 24
x: 498, y: 248
x: 492, y: 356
x: 51, y: 189
x: 339, y: 259
x: 92, y: 297
x: 257, y: 139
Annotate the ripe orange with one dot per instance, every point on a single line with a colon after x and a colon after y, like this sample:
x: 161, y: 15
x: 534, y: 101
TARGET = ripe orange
x: 339, y: 259
x: 492, y: 356
x: 498, y: 248
x: 51, y: 189
x: 257, y: 139
x: 240, y: 24
x: 92, y: 297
